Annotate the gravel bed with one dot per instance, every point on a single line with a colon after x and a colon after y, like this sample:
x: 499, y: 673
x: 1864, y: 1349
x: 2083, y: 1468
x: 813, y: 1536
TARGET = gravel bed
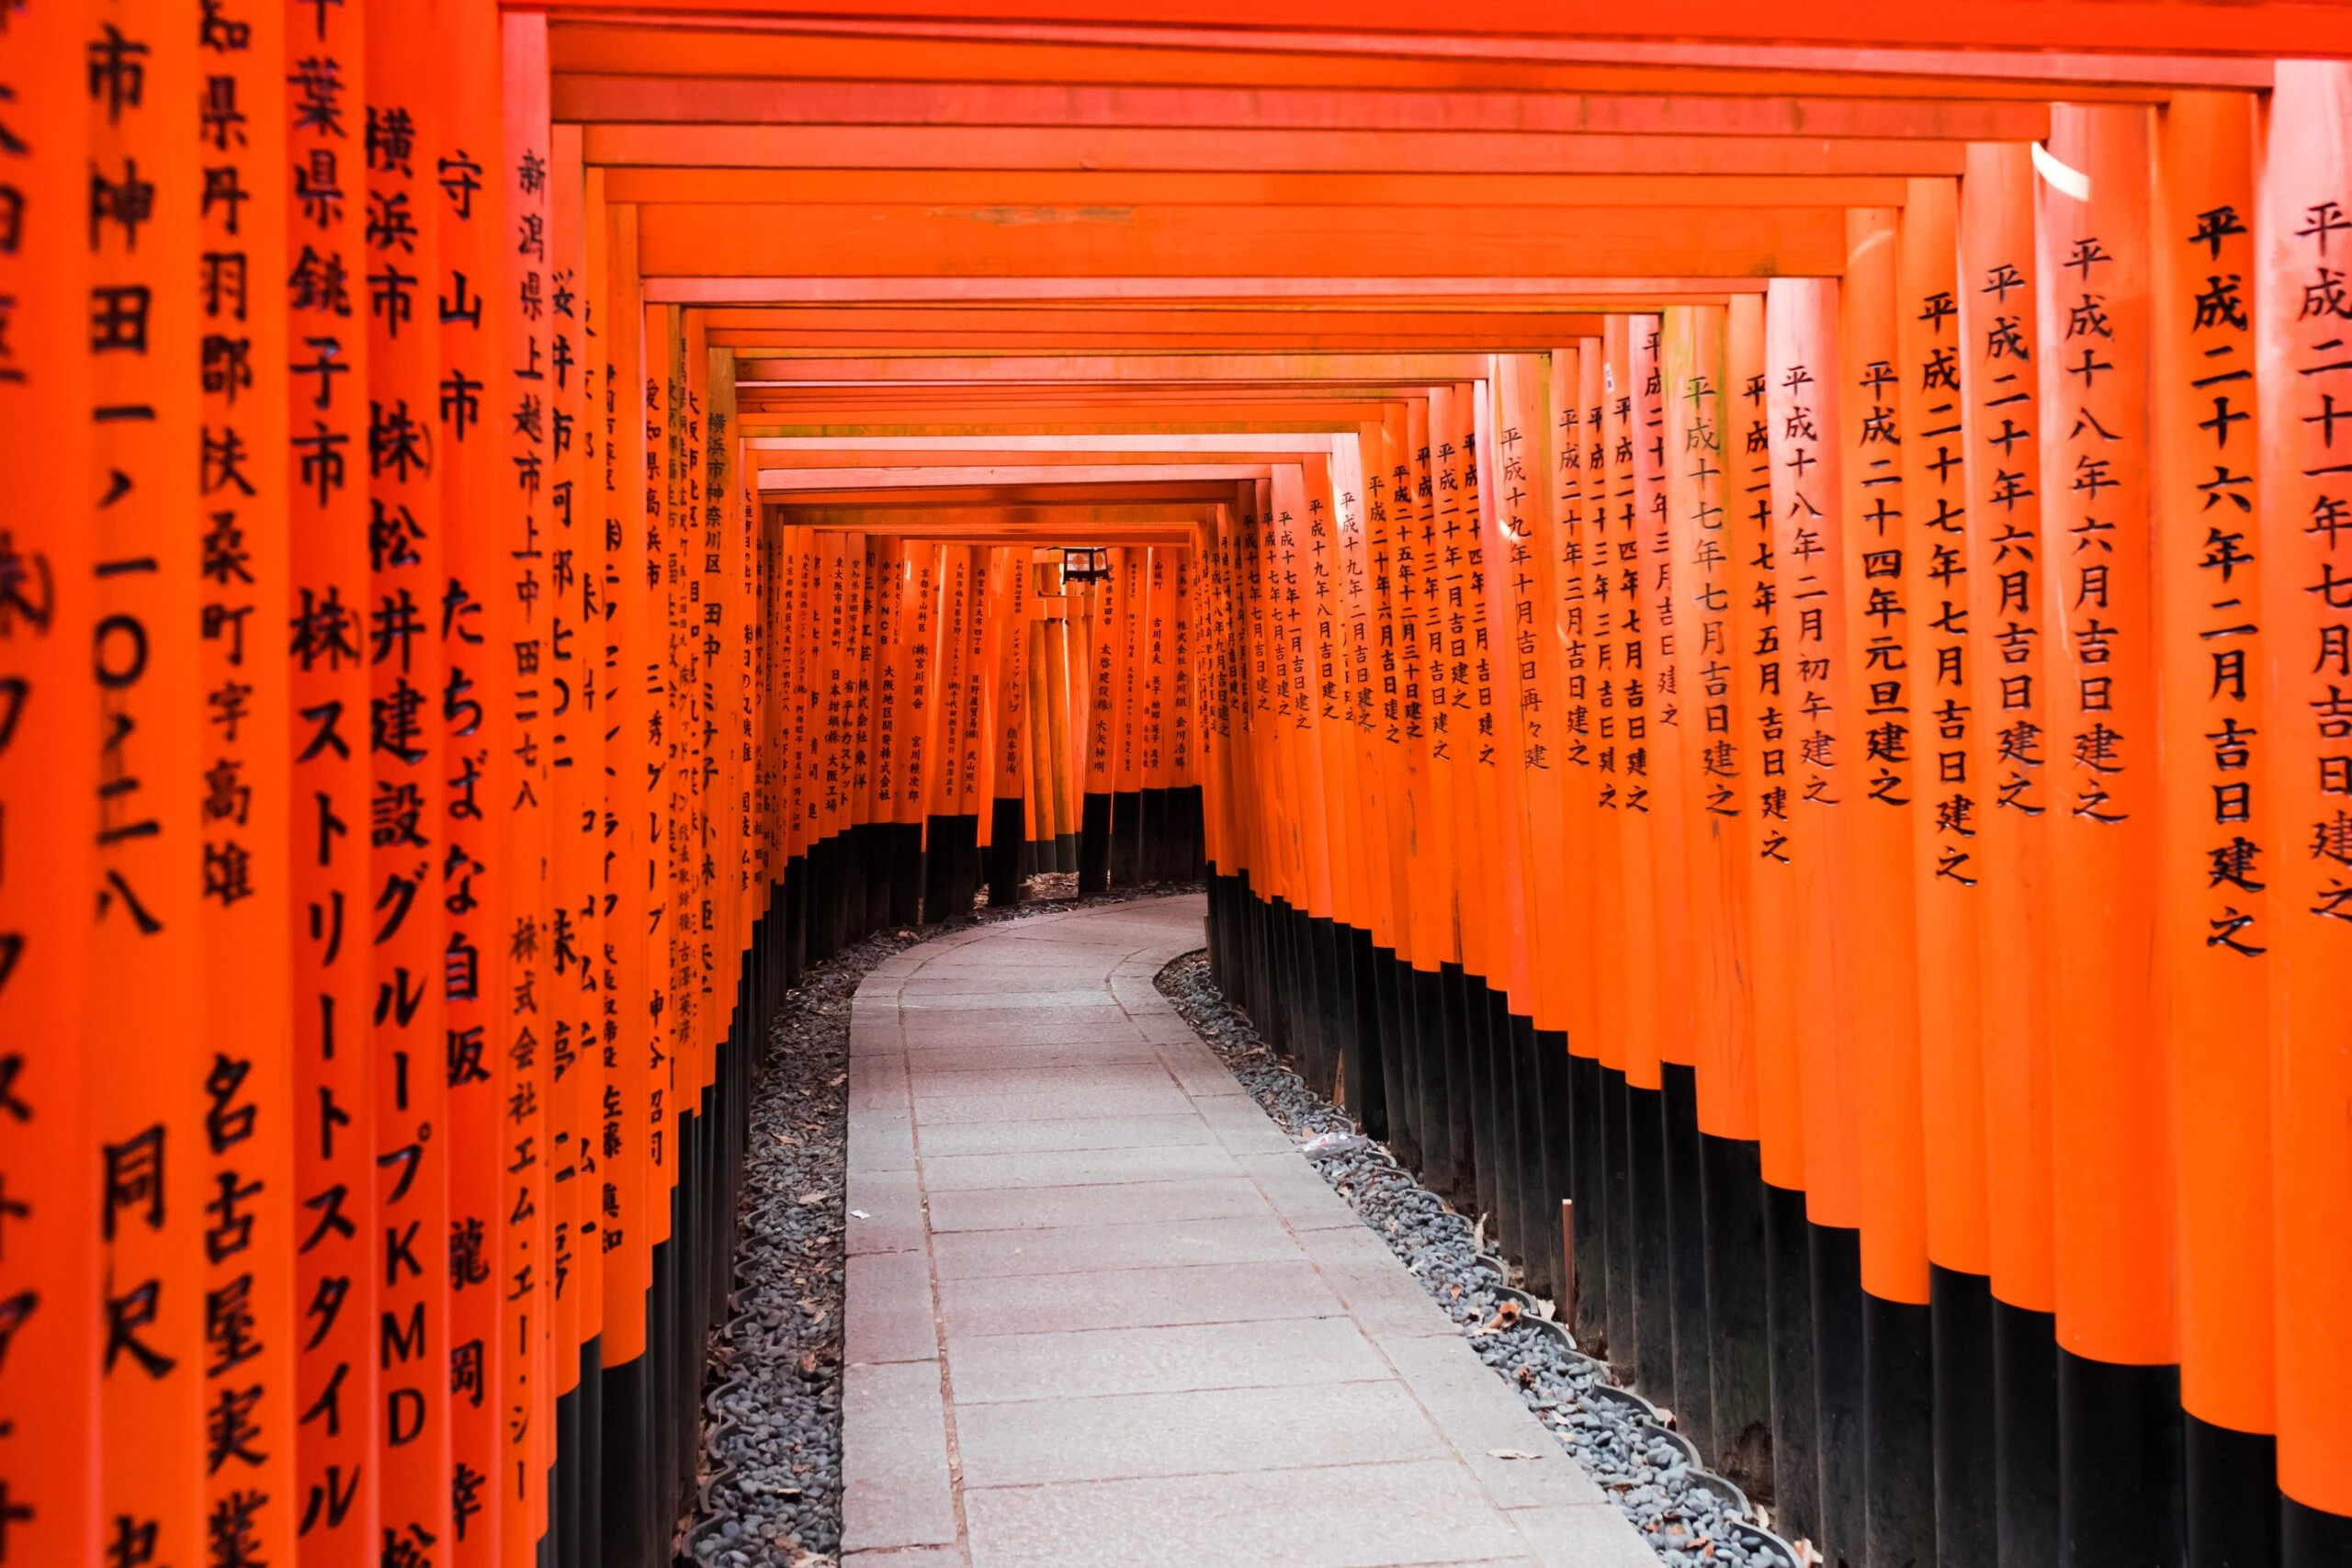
x: 768, y: 1490
x: 1691, y: 1518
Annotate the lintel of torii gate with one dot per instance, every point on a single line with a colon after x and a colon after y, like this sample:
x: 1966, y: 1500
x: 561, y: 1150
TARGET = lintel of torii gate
x: 2288, y: 28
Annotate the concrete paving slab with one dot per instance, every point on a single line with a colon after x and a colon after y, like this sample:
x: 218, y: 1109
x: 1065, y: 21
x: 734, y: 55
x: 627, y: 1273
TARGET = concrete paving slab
x: 1063, y: 1135
x: 1074, y: 1168
x: 1085, y: 1249
x: 1124, y: 1298
x: 1283, y: 1353
x: 891, y: 1320
x: 1194, y: 1432
x: 1372, y: 1515
x: 1128, y: 1203
x: 896, y: 1490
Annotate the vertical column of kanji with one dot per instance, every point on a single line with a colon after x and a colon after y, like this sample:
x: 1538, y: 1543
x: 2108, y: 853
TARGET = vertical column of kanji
x: 1675, y: 1222
x: 949, y: 675
x: 1512, y: 422
x: 1576, y: 499
x: 1045, y: 712
x: 1804, y: 404
x: 1096, y: 758
x: 1610, y: 501
x: 154, y: 474
x: 1667, y: 487
x: 1943, y: 833
x: 1009, y: 725
x: 1874, y: 669
x: 624, y: 862
x: 857, y: 697
x: 1343, y: 782
x: 474, y: 631
x: 918, y: 703
x: 49, y: 806
x: 1382, y: 704
x: 245, y: 936
x: 1152, y: 731
x: 667, y: 1073
x: 973, y: 787
x: 2212, y: 702
x: 1774, y: 855
x: 2119, y: 1379
x: 1374, y: 923
x: 2299, y: 300
x: 408, y: 543
x: 328, y: 517
x: 1306, y: 588
x: 1453, y: 798
x: 1636, y: 497
x: 1716, y: 768
x: 1184, y: 715
x: 2000, y: 394
x: 568, y: 941
x: 1131, y: 568
x: 521, y: 820
x: 1509, y: 1010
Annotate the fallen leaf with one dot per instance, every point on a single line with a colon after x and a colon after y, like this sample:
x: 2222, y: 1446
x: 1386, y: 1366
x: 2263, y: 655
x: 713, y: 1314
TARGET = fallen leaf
x: 1513, y: 1453
x: 809, y: 1197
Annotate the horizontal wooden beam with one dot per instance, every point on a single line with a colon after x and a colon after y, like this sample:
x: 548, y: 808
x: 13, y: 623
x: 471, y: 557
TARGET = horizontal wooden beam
x: 1034, y: 188
x: 767, y: 101
x: 1128, y: 492
x: 818, y: 52
x: 2285, y: 28
x: 780, y: 477
x: 720, y: 240
x: 1272, y: 291
x: 1244, y: 150
x: 1124, y: 372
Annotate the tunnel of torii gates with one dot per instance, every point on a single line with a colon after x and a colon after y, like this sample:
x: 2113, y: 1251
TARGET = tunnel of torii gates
x: 1748, y: 608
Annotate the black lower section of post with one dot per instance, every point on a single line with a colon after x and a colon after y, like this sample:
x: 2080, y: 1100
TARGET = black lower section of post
x: 1899, y: 1431
x: 2120, y: 1500
x: 1093, y: 844
x: 1960, y: 1308
x: 1837, y: 1391
x: 1649, y: 1224
x: 2234, y: 1519
x: 2025, y: 1432
x: 1554, y: 1122
x: 1617, y: 1198
x: 1004, y: 851
x: 2314, y: 1538
x: 1127, y: 838
x: 1796, y: 1419
x: 1687, y: 1257
x: 628, y: 1541
x: 906, y: 874
x: 1738, y: 1310
x: 1587, y: 1189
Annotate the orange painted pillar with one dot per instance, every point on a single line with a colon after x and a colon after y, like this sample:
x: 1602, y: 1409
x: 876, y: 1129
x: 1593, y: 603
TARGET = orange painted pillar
x: 472, y: 627
x: 1767, y: 674
x: 2001, y: 391
x: 1727, y: 1211
x: 2208, y: 622
x: 247, y: 1152
x: 1580, y: 497
x: 408, y: 541
x: 2119, y: 1382
x: 50, y: 1278
x: 1874, y: 668
x: 2307, y: 619
x: 1804, y: 404
x: 156, y: 469
x: 1948, y: 810
x: 1612, y: 554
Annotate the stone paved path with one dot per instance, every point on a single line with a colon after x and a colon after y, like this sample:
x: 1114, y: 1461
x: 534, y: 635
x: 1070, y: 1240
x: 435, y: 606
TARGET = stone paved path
x: 1102, y: 1312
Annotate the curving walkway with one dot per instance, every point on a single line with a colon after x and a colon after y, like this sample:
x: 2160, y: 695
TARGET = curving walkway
x: 1102, y: 1312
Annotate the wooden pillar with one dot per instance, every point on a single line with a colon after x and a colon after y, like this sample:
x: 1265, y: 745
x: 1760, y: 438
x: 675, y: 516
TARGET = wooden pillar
x: 2306, y: 616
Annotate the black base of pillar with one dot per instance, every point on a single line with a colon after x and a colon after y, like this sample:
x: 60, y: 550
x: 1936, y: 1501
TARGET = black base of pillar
x: 1687, y: 1257
x: 1004, y: 853
x: 2121, y: 1494
x: 1739, y: 1312
x: 906, y: 874
x: 1838, y: 1389
x: 2315, y: 1537
x: 1966, y: 1518
x: 2235, y: 1517
x: 1127, y: 838
x: 1898, y: 1430
x: 1650, y: 1226
x: 1796, y: 1418
x: 2025, y: 1432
